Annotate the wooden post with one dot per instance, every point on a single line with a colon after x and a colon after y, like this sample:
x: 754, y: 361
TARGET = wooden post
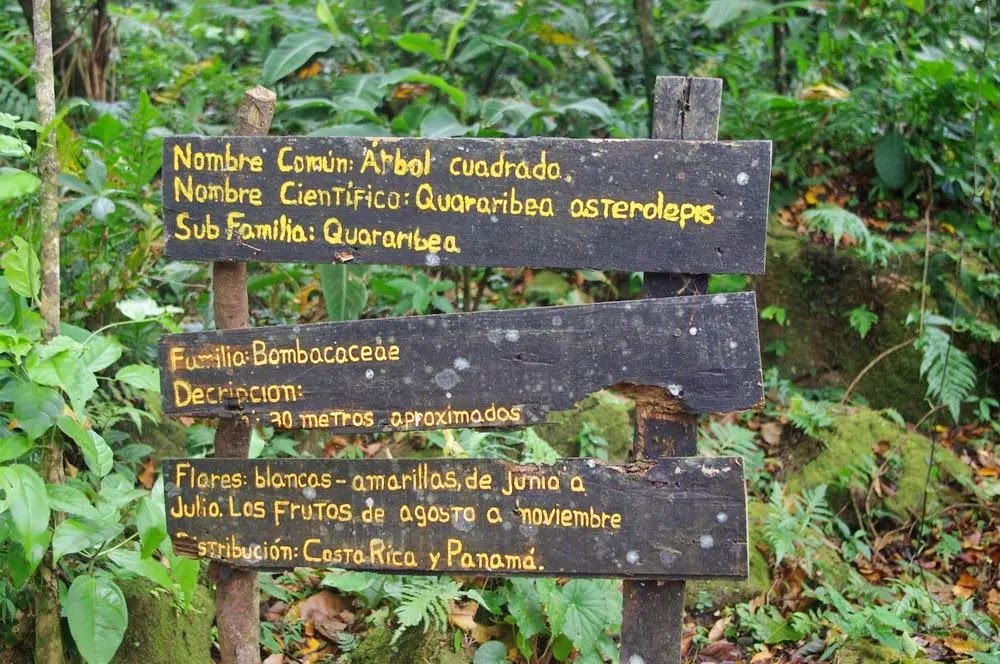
x: 653, y: 612
x: 237, y: 597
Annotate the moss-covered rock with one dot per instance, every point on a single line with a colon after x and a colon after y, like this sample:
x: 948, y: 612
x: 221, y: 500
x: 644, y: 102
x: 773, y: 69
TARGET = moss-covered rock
x: 609, y: 416
x: 817, y: 287
x: 413, y: 647
x: 854, y: 433
x: 862, y: 652
x: 159, y: 632
x: 721, y: 593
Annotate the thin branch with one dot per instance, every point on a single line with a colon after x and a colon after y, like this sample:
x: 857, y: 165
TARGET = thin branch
x: 868, y: 367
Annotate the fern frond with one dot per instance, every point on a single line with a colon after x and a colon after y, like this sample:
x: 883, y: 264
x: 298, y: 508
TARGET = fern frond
x: 950, y: 374
x: 837, y: 222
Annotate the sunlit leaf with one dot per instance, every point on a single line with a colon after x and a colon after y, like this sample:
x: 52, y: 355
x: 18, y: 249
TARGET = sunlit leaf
x: 294, y: 51
x: 97, y: 615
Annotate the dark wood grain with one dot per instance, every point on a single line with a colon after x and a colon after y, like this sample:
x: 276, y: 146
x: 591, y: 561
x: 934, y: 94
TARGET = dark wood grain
x: 511, y: 367
x: 685, y: 108
x: 574, y: 518
x: 731, y: 177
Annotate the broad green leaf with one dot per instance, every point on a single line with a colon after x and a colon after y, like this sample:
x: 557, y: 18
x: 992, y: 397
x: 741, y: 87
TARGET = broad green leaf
x: 15, y: 183
x: 151, y: 522
x: 20, y: 265
x: 421, y: 43
x: 525, y: 607
x: 11, y: 146
x: 150, y: 568
x: 491, y: 652
x: 74, y: 535
x: 583, y: 612
x: 186, y: 572
x: 143, y: 308
x: 96, y: 452
x: 7, y: 307
x: 344, y: 290
x: 891, y: 160
x: 36, y: 408
x: 12, y: 447
x: 58, y: 364
x: 101, y: 352
x: 141, y: 376
x: 440, y: 123
x: 720, y: 12
x: 69, y: 499
x: 294, y: 51
x: 589, y: 106
x: 98, y: 616
x: 915, y: 5
x: 28, y: 504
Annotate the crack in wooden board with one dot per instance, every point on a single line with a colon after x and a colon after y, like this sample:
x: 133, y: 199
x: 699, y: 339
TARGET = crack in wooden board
x: 485, y: 369
x: 576, y: 517
x: 606, y: 206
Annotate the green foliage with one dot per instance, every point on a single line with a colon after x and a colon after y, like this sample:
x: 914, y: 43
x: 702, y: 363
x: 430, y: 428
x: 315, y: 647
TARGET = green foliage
x: 862, y: 320
x: 950, y: 374
x: 578, y: 617
x: 728, y: 439
x: 808, y: 415
x: 794, y: 525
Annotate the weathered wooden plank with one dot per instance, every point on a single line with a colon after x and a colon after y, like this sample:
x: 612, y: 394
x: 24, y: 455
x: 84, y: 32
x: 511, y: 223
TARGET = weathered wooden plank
x: 497, y: 368
x: 664, y: 206
x: 653, y: 613
x: 576, y: 517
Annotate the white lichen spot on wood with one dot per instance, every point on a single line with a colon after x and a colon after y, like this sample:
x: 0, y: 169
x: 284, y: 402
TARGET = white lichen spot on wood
x: 636, y: 659
x: 446, y: 379
x: 742, y: 179
x: 632, y: 557
x: 512, y: 335
x: 706, y: 541
x: 693, y: 331
x: 309, y: 493
x: 460, y: 364
x: 432, y: 260
x: 370, y: 374
x: 719, y: 299
x: 722, y: 517
x: 710, y: 472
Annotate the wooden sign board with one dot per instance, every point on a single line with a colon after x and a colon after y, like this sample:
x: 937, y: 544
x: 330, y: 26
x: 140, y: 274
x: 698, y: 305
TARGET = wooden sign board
x: 668, y: 519
x: 659, y: 206
x: 484, y: 369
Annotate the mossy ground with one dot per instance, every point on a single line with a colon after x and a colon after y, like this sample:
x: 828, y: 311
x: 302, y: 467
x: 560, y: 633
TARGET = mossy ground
x: 413, y: 647
x: 817, y: 288
x: 609, y: 416
x: 159, y: 632
x: 854, y: 433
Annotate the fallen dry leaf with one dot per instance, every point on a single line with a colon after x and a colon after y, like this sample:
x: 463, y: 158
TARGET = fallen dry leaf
x: 764, y: 655
x: 276, y: 658
x: 720, y: 651
x: 719, y: 628
x: 771, y: 432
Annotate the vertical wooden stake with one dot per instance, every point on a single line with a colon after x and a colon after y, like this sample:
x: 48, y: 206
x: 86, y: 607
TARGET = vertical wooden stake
x: 237, y: 597
x: 653, y: 612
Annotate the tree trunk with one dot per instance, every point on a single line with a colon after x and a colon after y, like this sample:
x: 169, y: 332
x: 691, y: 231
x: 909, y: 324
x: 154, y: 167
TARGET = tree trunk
x: 48, y: 630
x: 83, y: 66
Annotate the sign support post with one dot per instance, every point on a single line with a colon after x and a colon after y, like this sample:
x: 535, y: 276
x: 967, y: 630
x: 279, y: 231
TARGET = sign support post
x: 236, y: 592
x: 653, y: 611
